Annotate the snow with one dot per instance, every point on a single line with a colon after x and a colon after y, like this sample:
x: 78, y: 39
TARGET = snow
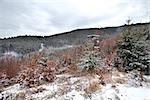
x: 68, y: 89
x: 74, y: 95
x: 132, y: 93
x: 10, y: 92
x: 109, y: 93
x: 12, y: 89
x: 48, y: 91
x: 51, y: 49
x: 11, y: 53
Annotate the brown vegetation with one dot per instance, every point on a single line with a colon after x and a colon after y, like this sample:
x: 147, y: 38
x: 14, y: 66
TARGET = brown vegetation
x: 92, y: 87
x: 107, y: 49
x: 9, y: 66
x: 25, y: 71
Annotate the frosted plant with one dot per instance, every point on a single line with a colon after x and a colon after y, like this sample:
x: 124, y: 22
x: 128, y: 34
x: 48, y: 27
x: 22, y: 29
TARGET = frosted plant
x: 133, y: 49
x: 89, y: 60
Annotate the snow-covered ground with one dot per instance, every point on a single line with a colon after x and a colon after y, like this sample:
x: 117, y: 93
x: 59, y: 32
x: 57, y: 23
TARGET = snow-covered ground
x: 11, y: 53
x: 120, y: 86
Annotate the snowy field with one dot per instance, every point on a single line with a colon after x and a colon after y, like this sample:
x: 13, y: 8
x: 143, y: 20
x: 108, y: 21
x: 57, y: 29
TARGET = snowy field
x: 67, y: 87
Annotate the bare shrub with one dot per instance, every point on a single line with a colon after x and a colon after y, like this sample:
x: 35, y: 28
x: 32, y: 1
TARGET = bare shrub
x: 68, y: 59
x: 107, y: 49
x: 25, y: 71
x: 10, y: 66
x: 35, y: 77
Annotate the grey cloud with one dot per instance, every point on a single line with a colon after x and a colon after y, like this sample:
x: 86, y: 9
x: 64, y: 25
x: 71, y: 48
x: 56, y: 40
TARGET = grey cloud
x: 21, y: 17
x: 11, y: 16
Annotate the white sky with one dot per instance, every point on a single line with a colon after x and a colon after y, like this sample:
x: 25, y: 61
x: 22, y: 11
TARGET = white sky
x: 47, y: 17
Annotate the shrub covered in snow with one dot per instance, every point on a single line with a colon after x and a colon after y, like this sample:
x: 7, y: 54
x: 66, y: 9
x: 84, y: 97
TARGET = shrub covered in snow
x: 90, y: 58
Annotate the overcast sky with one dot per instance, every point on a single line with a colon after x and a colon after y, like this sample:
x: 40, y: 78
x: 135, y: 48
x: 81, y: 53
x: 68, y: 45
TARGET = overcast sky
x: 47, y: 17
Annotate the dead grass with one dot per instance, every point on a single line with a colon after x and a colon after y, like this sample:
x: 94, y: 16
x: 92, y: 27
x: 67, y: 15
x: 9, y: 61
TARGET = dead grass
x: 92, y: 87
x: 117, y: 97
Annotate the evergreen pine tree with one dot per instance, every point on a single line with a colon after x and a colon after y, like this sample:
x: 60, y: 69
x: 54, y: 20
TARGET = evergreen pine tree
x: 133, y: 49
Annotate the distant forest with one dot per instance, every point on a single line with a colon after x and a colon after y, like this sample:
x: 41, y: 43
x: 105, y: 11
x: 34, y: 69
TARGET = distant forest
x: 27, y: 44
